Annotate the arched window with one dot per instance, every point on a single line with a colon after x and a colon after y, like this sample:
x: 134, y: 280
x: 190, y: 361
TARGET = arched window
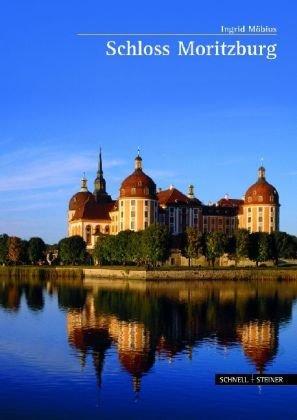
x: 106, y: 229
x: 88, y: 235
x: 97, y: 230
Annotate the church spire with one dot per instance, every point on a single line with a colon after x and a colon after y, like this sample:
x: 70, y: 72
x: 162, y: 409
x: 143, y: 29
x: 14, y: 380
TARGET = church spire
x: 100, y: 183
x: 100, y: 170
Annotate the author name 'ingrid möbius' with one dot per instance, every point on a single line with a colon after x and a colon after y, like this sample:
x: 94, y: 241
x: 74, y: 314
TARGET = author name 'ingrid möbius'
x: 191, y: 48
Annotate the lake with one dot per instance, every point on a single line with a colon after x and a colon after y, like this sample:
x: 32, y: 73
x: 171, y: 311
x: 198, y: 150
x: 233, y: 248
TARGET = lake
x: 136, y: 350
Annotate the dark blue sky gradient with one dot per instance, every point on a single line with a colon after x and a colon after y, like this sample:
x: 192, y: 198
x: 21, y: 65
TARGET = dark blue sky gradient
x: 200, y: 120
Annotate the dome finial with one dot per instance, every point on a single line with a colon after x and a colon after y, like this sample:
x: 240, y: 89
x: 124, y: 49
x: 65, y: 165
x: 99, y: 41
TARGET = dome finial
x: 261, y: 170
x: 191, y: 191
x: 138, y: 160
x: 84, y: 183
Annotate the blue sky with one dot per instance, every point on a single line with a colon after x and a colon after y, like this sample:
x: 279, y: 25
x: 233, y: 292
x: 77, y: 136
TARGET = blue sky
x: 200, y: 120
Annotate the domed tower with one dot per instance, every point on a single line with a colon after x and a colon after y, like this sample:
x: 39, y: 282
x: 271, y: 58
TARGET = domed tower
x: 261, y: 206
x: 77, y: 201
x: 138, y: 204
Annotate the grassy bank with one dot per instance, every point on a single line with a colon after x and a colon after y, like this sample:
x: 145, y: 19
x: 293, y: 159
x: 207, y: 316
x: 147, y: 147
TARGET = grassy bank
x: 141, y: 273
x: 41, y: 273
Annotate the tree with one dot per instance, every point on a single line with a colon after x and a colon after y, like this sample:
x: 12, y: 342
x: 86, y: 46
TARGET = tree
x: 215, y: 246
x: 100, y: 253
x: 259, y: 247
x: 155, y: 244
x: 194, y: 243
x: 123, y: 249
x: 36, y: 250
x: 72, y: 250
x: 24, y: 258
x: 282, y: 246
x: 264, y: 247
x: 14, y: 249
x: 241, y: 244
x: 3, y: 248
x: 136, y: 248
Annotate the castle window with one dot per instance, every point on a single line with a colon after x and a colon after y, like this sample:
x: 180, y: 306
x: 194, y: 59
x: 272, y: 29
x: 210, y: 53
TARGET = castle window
x: 88, y: 235
x: 132, y: 214
x: 133, y: 190
x: 132, y: 202
x: 97, y: 230
x: 271, y: 209
x: 260, y: 209
x: 260, y: 198
x: 146, y: 191
x: 249, y: 219
x: 249, y: 210
x: 145, y: 225
x: 146, y: 202
x: 260, y: 219
x: 122, y: 203
x: 271, y: 219
x: 106, y: 229
x: 139, y: 183
x: 132, y: 225
x: 146, y: 214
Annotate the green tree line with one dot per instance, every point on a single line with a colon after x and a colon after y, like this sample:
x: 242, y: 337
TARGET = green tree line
x: 257, y: 247
x: 151, y: 247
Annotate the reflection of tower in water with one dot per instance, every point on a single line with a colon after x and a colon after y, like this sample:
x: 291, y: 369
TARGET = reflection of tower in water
x: 259, y: 342
x: 89, y: 332
x: 135, y: 354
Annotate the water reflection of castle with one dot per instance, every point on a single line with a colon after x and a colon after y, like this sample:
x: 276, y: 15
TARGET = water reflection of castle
x: 92, y: 330
x: 148, y: 320
x: 93, y: 333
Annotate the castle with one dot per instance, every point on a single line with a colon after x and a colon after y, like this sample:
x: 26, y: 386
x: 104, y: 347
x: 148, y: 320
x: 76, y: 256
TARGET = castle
x: 141, y: 204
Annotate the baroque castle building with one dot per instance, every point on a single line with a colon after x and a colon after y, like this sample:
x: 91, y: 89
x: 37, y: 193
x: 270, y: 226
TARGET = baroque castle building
x: 140, y: 205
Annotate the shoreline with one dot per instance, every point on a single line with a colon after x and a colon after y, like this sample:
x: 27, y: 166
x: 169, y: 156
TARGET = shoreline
x: 138, y: 273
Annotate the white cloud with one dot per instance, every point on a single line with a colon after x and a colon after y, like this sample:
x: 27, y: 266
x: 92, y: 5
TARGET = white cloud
x: 43, y: 168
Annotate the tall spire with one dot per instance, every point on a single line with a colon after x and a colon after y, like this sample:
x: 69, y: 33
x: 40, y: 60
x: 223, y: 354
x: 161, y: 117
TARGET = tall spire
x: 100, y: 183
x: 100, y: 171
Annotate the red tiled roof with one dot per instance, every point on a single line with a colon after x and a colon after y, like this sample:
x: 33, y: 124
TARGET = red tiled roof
x: 174, y: 196
x: 261, y: 193
x: 230, y: 202
x: 79, y: 199
x: 138, y: 184
x: 91, y: 210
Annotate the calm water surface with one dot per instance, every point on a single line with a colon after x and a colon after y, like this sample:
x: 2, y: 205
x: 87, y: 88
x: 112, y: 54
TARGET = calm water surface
x: 136, y: 350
